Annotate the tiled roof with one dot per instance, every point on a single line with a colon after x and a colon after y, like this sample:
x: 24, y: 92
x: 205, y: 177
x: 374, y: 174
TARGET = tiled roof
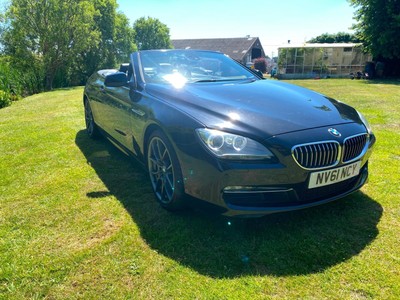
x: 236, y: 48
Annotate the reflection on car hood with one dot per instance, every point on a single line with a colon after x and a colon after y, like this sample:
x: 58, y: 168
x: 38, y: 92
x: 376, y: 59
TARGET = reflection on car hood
x: 263, y: 107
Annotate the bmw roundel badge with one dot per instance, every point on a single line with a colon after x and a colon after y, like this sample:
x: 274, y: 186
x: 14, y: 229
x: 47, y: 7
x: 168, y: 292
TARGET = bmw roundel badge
x: 334, y: 132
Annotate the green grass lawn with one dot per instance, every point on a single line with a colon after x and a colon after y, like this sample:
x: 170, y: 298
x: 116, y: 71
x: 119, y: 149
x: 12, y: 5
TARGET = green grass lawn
x: 78, y: 219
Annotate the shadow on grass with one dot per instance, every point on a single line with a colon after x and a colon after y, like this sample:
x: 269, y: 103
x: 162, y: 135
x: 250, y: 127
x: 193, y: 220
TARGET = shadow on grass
x: 294, y: 243
x: 389, y: 81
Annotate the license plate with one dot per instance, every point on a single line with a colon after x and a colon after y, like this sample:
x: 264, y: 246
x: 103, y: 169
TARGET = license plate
x: 327, y: 177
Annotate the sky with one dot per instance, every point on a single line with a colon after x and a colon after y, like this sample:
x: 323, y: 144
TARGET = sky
x: 273, y: 21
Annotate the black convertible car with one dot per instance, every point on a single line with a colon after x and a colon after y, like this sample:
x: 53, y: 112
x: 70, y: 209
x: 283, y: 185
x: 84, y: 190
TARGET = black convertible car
x: 207, y: 127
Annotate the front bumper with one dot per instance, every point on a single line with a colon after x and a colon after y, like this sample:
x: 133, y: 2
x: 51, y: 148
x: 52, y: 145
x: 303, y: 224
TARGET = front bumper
x: 256, y: 189
x: 262, y: 201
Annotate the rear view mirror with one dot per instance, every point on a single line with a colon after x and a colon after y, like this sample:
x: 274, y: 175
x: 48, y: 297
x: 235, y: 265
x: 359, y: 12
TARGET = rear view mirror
x: 116, y: 79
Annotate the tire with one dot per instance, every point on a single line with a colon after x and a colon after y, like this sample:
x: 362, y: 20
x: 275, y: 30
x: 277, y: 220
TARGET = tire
x: 91, y: 127
x: 164, y: 172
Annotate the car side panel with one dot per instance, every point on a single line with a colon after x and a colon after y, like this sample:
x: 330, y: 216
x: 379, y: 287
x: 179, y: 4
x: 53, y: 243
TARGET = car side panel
x: 115, y: 111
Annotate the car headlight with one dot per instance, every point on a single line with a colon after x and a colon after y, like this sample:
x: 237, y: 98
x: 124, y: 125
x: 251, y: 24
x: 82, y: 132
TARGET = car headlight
x: 365, y: 122
x: 232, y: 146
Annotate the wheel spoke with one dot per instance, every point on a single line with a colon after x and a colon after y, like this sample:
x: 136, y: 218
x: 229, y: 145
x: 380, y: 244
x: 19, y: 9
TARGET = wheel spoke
x: 154, y: 151
x: 153, y: 162
x: 170, y: 182
x: 165, y: 154
x: 162, y: 188
x: 160, y: 156
x: 169, y: 186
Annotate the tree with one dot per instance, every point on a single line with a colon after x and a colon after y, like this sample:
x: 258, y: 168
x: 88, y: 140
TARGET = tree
x: 150, y: 33
x: 340, y: 37
x: 114, y: 46
x: 50, y: 33
x: 378, y: 28
x: 62, y: 42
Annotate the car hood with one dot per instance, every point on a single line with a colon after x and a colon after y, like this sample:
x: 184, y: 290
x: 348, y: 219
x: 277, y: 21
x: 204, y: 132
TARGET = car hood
x: 263, y: 107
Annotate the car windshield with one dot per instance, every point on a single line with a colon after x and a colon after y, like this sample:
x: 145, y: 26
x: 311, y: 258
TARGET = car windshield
x: 179, y: 67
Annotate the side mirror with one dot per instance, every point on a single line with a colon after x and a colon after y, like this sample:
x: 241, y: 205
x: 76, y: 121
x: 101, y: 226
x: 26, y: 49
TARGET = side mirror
x: 116, y: 79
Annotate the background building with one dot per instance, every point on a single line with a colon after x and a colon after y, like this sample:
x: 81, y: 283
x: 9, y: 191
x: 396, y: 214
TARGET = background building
x: 321, y: 60
x: 244, y: 50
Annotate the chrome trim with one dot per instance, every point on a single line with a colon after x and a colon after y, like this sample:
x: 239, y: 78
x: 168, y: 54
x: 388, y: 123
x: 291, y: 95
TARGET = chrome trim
x: 330, y: 154
x: 354, y: 151
x: 246, y: 190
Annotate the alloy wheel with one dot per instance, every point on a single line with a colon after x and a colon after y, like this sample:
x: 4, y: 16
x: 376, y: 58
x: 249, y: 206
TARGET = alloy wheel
x: 89, y: 119
x: 161, y: 170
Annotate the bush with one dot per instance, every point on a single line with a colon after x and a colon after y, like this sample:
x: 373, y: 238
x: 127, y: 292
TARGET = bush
x: 14, y: 83
x: 260, y: 64
x: 9, y: 78
x: 5, y: 99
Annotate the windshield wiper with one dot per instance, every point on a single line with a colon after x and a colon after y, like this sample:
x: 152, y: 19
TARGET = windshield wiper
x: 207, y: 80
x: 215, y: 80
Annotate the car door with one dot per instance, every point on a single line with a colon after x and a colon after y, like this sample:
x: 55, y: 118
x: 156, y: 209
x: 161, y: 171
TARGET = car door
x: 116, y: 113
x: 125, y: 112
